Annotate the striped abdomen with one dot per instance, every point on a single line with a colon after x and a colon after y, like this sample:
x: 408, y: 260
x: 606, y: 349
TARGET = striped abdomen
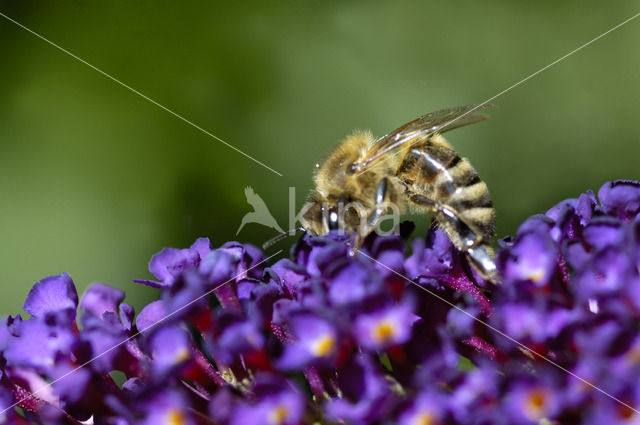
x: 438, y: 179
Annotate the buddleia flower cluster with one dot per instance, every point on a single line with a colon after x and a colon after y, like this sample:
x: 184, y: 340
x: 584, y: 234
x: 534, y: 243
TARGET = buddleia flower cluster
x: 405, y: 332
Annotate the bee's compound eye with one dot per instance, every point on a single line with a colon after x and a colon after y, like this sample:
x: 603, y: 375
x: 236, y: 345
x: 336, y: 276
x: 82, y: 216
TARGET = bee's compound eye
x: 333, y: 219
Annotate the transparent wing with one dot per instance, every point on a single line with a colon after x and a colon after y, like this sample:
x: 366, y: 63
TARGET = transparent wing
x: 421, y: 128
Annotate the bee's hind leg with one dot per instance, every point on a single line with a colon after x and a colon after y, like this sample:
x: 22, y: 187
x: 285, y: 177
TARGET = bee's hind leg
x: 482, y: 259
x: 463, y: 236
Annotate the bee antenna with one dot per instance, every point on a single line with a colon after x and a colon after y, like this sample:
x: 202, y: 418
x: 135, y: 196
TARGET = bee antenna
x: 286, y: 234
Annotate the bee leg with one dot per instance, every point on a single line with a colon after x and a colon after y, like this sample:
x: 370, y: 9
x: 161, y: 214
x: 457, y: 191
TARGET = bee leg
x: 478, y: 252
x: 355, y: 243
x: 467, y: 238
x: 373, y: 218
x: 379, y: 210
x: 482, y: 259
x: 381, y: 191
x: 369, y: 226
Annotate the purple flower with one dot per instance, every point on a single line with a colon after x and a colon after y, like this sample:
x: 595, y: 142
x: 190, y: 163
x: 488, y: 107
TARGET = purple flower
x: 366, y: 396
x: 316, y: 341
x: 386, y: 326
x: 39, y: 344
x: 603, y: 232
x: 5, y: 335
x: 461, y: 322
x: 532, y: 256
x: 326, y: 337
x: 530, y: 403
x: 606, y: 272
x: 525, y: 323
x: 278, y: 403
x: 126, y: 316
x: 166, y: 407
x: 185, y: 298
x: 219, y: 266
x: 291, y: 275
x: 476, y: 397
x: 620, y: 198
x: 100, y: 298
x: 352, y: 283
x: 389, y: 250
x: 70, y: 384
x: 9, y: 416
x: 608, y: 411
x: 241, y: 337
x: 249, y: 256
x: 170, y: 262
x: 51, y: 295
x: 151, y: 314
x: 431, y: 258
x: 427, y: 408
x: 104, y: 338
x: 314, y: 252
x: 170, y: 347
x: 222, y: 405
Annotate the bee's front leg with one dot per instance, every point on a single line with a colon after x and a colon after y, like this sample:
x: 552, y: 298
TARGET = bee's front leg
x: 355, y: 243
x: 372, y: 219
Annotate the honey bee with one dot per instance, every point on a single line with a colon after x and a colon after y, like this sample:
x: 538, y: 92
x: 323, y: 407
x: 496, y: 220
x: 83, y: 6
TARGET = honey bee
x: 362, y: 179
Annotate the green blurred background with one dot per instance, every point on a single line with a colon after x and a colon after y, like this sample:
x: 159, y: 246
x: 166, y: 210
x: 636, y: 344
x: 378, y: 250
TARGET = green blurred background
x: 95, y: 179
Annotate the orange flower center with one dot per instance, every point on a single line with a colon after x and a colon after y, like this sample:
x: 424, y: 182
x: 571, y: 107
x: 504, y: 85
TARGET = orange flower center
x: 383, y: 332
x: 423, y: 418
x: 324, y: 346
x: 278, y: 415
x: 175, y: 417
x: 536, y: 401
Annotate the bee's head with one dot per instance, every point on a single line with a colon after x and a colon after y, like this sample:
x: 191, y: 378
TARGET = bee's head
x: 320, y: 216
x: 324, y: 215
